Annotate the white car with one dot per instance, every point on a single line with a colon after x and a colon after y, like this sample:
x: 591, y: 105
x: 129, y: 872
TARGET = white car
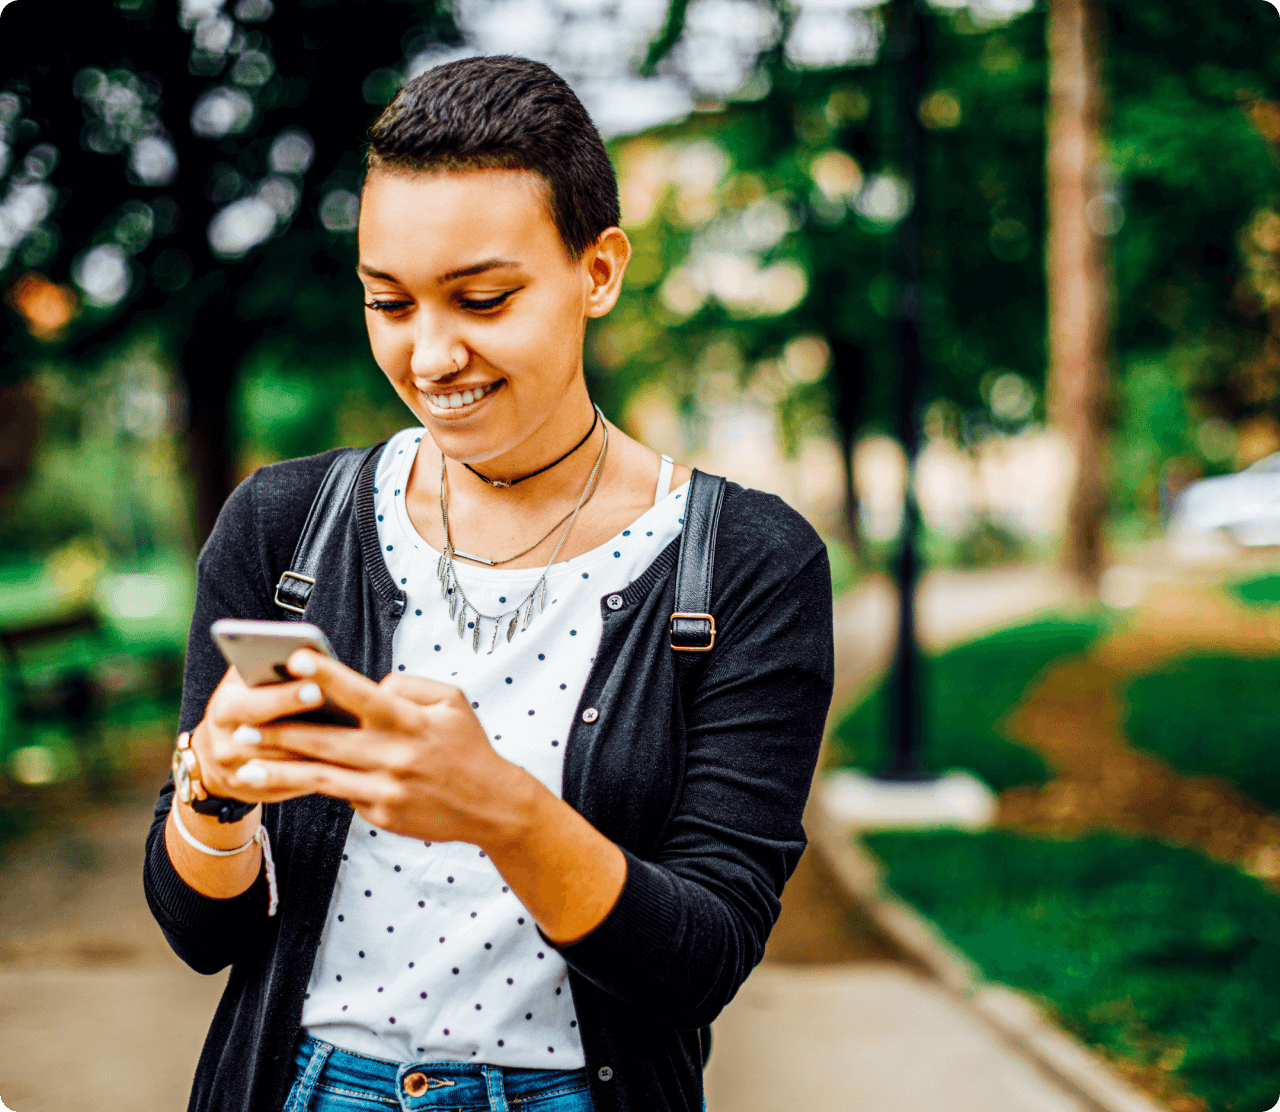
x: 1245, y: 505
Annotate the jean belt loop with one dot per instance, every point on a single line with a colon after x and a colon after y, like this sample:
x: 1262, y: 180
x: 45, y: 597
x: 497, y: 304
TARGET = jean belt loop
x: 310, y: 1076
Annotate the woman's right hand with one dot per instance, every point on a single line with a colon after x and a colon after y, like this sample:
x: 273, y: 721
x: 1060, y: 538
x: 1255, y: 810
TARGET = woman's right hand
x: 226, y: 738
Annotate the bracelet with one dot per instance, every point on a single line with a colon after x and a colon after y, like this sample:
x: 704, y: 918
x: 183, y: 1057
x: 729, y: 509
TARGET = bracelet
x: 259, y: 838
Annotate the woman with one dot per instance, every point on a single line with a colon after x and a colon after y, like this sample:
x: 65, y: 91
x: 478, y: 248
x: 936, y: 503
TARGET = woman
x: 553, y: 848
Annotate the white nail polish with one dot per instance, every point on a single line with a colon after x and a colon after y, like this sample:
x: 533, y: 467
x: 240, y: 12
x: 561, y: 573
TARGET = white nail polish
x: 252, y: 774
x: 309, y: 693
x: 246, y: 735
x: 304, y: 666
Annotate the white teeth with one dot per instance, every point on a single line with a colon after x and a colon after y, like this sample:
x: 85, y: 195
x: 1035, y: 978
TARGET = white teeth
x: 457, y: 400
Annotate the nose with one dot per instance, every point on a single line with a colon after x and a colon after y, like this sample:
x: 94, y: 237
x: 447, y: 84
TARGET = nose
x: 437, y: 353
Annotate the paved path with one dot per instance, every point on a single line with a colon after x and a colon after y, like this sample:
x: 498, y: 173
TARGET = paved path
x: 97, y: 1015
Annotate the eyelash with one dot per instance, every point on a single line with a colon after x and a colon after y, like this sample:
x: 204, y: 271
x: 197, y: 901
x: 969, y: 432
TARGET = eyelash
x: 474, y: 306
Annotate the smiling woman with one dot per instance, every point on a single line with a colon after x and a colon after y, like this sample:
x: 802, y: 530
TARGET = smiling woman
x: 553, y: 847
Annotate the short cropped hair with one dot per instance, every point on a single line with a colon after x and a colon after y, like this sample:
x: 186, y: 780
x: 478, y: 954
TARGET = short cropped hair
x: 504, y: 113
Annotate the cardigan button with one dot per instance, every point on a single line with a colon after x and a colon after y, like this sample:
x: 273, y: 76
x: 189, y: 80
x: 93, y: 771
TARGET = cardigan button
x: 604, y: 1073
x: 590, y: 714
x: 614, y: 602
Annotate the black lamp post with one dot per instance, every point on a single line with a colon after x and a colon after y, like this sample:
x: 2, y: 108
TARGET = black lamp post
x: 905, y: 56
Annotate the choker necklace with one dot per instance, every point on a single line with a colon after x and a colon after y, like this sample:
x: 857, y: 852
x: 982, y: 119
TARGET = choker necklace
x: 504, y: 483
x: 451, y: 589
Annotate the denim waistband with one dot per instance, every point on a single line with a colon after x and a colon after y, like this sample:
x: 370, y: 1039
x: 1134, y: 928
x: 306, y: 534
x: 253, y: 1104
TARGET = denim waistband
x: 429, y: 1086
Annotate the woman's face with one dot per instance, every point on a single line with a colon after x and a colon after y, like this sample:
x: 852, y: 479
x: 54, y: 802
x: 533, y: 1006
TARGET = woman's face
x: 476, y: 312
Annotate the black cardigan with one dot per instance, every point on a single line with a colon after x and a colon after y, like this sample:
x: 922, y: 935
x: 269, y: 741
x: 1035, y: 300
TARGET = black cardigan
x: 699, y: 772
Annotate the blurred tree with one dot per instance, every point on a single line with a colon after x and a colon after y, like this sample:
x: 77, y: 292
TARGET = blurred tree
x: 194, y: 171
x: 1082, y: 211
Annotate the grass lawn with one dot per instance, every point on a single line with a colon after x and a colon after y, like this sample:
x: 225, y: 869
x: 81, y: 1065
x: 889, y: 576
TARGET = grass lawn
x: 1148, y: 950
x: 967, y: 691
x: 1213, y: 715
x: 1264, y: 591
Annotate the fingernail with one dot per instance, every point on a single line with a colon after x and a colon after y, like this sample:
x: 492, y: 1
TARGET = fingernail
x: 302, y: 664
x: 310, y: 693
x: 246, y: 735
x: 252, y: 774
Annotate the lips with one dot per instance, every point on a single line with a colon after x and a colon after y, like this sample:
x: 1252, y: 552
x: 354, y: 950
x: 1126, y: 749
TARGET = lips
x: 460, y: 399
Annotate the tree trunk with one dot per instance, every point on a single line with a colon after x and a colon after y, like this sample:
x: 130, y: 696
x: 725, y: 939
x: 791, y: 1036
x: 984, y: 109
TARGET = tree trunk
x: 210, y: 358
x: 849, y: 367
x: 1078, y: 286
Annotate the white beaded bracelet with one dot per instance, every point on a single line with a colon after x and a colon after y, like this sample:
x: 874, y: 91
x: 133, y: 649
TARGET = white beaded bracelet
x: 259, y: 837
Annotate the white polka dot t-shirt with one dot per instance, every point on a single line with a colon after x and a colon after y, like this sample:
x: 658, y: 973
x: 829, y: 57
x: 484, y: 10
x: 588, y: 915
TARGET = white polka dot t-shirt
x: 426, y: 954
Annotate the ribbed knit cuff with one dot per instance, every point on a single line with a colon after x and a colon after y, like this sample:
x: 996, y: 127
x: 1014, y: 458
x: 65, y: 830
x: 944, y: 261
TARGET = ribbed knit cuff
x: 639, y: 931
x: 191, y: 910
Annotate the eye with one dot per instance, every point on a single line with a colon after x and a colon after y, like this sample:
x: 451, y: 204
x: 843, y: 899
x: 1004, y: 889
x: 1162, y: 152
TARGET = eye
x: 486, y: 303
x: 386, y: 306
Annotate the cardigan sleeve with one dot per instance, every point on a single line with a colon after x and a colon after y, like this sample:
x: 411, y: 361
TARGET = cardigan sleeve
x: 235, y: 576
x: 691, y: 922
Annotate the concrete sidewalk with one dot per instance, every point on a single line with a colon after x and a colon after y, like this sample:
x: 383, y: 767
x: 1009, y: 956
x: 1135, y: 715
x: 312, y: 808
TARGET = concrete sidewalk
x: 96, y: 1015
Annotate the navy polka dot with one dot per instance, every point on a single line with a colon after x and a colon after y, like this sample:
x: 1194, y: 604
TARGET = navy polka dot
x: 402, y: 667
x: 626, y: 532
x: 528, y: 1015
x: 475, y: 705
x: 616, y: 554
x: 542, y: 656
x: 502, y: 598
x: 501, y: 1043
x: 557, y: 992
x: 488, y: 945
x: 649, y: 533
x: 531, y: 713
x: 379, y: 517
x: 397, y: 868
x: 471, y: 625
x: 406, y: 581
x: 373, y: 833
x: 477, y: 1007
x: 390, y: 930
x: 554, y: 744
x: 449, y: 879
x: 563, y: 686
x: 362, y: 953
x: 508, y: 679
x: 422, y: 903
x: 510, y: 981
x: 422, y: 996
x: 437, y: 648
x: 339, y: 976
x: 340, y: 918
x: 390, y: 547
x: 585, y: 575
x: 367, y: 892
x: 455, y: 970
x: 419, y: 613
x: 573, y: 633
x: 520, y: 921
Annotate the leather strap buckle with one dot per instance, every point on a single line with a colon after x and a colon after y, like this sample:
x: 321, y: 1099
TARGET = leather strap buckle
x: 710, y: 633
x: 287, y: 605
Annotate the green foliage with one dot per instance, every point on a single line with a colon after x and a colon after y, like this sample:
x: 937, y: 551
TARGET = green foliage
x: 1151, y: 951
x: 967, y: 692
x: 1263, y: 591
x: 1213, y: 715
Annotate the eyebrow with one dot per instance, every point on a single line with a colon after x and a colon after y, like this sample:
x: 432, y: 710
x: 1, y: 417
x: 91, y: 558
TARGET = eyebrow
x: 461, y: 272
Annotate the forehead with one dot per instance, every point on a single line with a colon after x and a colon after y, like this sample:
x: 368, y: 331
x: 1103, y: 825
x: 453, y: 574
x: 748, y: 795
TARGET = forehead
x: 419, y: 225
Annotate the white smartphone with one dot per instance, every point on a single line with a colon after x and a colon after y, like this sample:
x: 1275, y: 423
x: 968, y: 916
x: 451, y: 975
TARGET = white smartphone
x: 258, y: 651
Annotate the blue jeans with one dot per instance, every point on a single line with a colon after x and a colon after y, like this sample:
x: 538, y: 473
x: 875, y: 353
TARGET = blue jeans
x: 328, y: 1079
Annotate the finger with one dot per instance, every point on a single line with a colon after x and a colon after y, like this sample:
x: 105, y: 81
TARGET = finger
x: 359, y: 749
x: 255, y: 705
x: 346, y: 687
x: 420, y: 690
x: 306, y: 777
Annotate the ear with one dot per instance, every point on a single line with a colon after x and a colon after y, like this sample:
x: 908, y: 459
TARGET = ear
x: 604, y: 263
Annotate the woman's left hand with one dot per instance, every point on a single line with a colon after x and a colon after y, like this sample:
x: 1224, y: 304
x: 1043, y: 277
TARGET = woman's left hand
x: 419, y: 764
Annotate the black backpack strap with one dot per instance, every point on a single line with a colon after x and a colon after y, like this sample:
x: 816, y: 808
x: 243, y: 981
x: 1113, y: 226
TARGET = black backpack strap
x: 693, y: 629
x: 294, y: 588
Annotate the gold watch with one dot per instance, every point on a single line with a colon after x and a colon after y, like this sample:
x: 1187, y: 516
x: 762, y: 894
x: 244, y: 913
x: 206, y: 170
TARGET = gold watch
x: 189, y: 789
x: 186, y: 771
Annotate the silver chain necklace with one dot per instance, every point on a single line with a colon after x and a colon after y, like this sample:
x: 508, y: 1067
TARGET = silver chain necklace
x: 451, y: 590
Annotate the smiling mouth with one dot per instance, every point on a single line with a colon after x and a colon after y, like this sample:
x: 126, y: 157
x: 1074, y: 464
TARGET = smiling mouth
x: 461, y: 399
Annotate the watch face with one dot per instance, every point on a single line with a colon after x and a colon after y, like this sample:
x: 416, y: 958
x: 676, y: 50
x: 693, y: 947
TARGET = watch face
x: 181, y: 777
